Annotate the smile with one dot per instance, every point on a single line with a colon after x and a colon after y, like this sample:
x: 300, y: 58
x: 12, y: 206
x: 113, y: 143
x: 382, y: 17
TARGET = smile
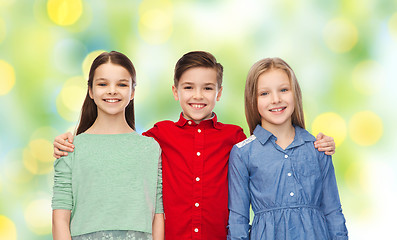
x: 277, y: 109
x: 197, y: 105
x: 112, y: 100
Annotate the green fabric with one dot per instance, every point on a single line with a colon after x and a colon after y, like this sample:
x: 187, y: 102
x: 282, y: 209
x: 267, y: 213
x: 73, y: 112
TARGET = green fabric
x: 110, y: 182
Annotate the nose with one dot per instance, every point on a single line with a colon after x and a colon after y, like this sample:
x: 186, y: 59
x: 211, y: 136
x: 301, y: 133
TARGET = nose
x: 198, y: 94
x: 111, y: 90
x: 276, y: 98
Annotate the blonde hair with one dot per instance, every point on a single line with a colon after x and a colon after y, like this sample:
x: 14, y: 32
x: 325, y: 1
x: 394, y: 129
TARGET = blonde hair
x: 251, y: 91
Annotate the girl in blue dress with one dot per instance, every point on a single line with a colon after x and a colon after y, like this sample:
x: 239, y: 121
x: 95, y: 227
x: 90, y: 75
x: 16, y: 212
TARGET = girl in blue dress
x: 290, y: 185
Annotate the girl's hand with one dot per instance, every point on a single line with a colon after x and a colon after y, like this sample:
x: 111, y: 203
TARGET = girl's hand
x: 63, y: 144
x: 325, y: 144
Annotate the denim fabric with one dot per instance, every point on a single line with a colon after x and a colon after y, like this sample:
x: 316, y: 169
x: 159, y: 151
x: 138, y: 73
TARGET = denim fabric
x: 293, y: 192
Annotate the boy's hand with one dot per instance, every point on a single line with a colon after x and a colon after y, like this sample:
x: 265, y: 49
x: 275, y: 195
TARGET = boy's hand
x: 63, y: 144
x: 325, y: 144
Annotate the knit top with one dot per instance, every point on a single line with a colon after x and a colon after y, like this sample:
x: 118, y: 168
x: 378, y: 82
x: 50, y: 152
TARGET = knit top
x: 110, y: 182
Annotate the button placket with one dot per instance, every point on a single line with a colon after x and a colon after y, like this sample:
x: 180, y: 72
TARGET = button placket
x: 198, y: 166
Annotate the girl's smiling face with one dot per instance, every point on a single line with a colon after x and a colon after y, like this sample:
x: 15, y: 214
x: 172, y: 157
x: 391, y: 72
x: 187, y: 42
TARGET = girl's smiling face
x: 111, y: 89
x: 275, y: 99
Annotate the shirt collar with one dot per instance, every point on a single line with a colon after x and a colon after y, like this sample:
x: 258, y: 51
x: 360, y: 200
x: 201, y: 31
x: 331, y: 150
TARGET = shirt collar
x: 213, y: 121
x: 301, y: 136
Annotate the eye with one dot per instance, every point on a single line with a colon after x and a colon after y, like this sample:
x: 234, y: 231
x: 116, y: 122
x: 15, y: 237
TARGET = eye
x: 284, y: 90
x: 123, y: 85
x: 263, y: 93
x: 101, y: 84
x: 187, y: 87
x: 208, y: 88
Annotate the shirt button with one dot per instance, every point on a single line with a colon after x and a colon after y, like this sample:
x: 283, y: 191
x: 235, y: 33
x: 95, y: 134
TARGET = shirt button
x: 196, y: 204
x: 286, y: 156
x: 291, y: 194
x: 197, y: 179
x: 196, y: 229
x: 199, y: 130
x: 289, y: 174
x: 198, y: 153
x: 189, y: 122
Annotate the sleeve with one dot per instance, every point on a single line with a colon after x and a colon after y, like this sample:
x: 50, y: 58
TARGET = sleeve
x: 239, y: 198
x: 159, y: 193
x: 240, y: 136
x: 62, y: 191
x: 330, y: 204
x: 153, y: 132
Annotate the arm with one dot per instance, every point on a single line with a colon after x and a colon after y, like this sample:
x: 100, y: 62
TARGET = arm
x: 62, y: 199
x: 330, y: 204
x: 60, y: 224
x: 158, y: 227
x: 61, y: 146
x: 325, y: 144
x: 239, y: 198
x: 158, y: 221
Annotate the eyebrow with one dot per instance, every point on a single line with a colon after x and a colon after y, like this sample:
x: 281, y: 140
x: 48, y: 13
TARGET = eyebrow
x: 105, y: 79
x: 191, y: 83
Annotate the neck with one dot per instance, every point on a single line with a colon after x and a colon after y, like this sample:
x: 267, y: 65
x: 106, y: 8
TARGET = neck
x: 109, y: 124
x: 285, y: 133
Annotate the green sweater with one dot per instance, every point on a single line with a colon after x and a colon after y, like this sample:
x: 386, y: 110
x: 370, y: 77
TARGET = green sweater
x: 110, y: 182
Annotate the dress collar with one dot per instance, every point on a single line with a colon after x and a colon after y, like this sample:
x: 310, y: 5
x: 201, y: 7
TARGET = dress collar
x: 301, y: 136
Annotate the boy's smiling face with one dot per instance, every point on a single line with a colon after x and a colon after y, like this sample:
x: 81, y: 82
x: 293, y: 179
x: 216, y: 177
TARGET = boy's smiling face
x: 197, y: 93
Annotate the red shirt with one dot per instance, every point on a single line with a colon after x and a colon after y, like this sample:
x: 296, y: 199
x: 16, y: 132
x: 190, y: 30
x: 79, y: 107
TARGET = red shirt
x: 195, y: 163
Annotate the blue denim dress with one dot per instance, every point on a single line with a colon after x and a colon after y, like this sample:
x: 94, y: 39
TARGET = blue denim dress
x: 293, y: 192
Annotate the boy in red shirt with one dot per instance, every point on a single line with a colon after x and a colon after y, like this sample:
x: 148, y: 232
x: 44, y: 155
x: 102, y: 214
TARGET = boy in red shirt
x: 195, y: 152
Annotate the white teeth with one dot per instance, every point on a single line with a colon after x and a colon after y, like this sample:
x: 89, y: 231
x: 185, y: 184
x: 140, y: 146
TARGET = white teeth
x: 197, y: 105
x: 276, y: 110
x: 112, y: 100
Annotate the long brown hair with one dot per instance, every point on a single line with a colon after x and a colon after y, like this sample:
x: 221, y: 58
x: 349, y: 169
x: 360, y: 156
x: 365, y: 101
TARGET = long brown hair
x: 89, y: 111
x: 251, y: 91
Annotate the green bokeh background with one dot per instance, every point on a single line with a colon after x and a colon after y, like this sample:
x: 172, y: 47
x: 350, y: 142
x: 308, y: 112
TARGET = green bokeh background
x: 343, y: 52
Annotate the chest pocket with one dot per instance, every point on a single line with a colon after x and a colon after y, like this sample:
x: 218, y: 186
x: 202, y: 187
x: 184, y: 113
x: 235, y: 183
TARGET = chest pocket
x: 307, y: 165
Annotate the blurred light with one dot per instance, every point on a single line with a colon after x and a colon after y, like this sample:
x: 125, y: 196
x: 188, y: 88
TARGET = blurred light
x: 340, y: 35
x: 88, y: 61
x: 68, y: 54
x: 7, y: 77
x: 365, y: 128
x: 8, y: 230
x: 36, y: 165
x: 393, y: 26
x: 368, y: 77
x: 70, y: 99
x: 38, y: 216
x: 357, y: 181
x: 155, y: 23
x: 64, y: 12
x: 331, y: 124
x: 356, y: 177
x: 42, y: 150
x: 14, y: 170
x: 2, y: 30
x: 37, y: 157
x: 45, y: 132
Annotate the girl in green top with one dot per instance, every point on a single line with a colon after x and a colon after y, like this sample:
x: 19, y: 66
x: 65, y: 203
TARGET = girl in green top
x: 110, y: 187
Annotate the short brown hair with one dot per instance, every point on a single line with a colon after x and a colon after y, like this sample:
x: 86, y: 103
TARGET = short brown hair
x: 251, y: 91
x: 197, y: 59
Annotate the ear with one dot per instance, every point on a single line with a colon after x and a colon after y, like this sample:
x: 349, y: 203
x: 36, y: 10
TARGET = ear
x: 90, y: 92
x: 175, y: 92
x: 132, y: 95
x: 219, y: 94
